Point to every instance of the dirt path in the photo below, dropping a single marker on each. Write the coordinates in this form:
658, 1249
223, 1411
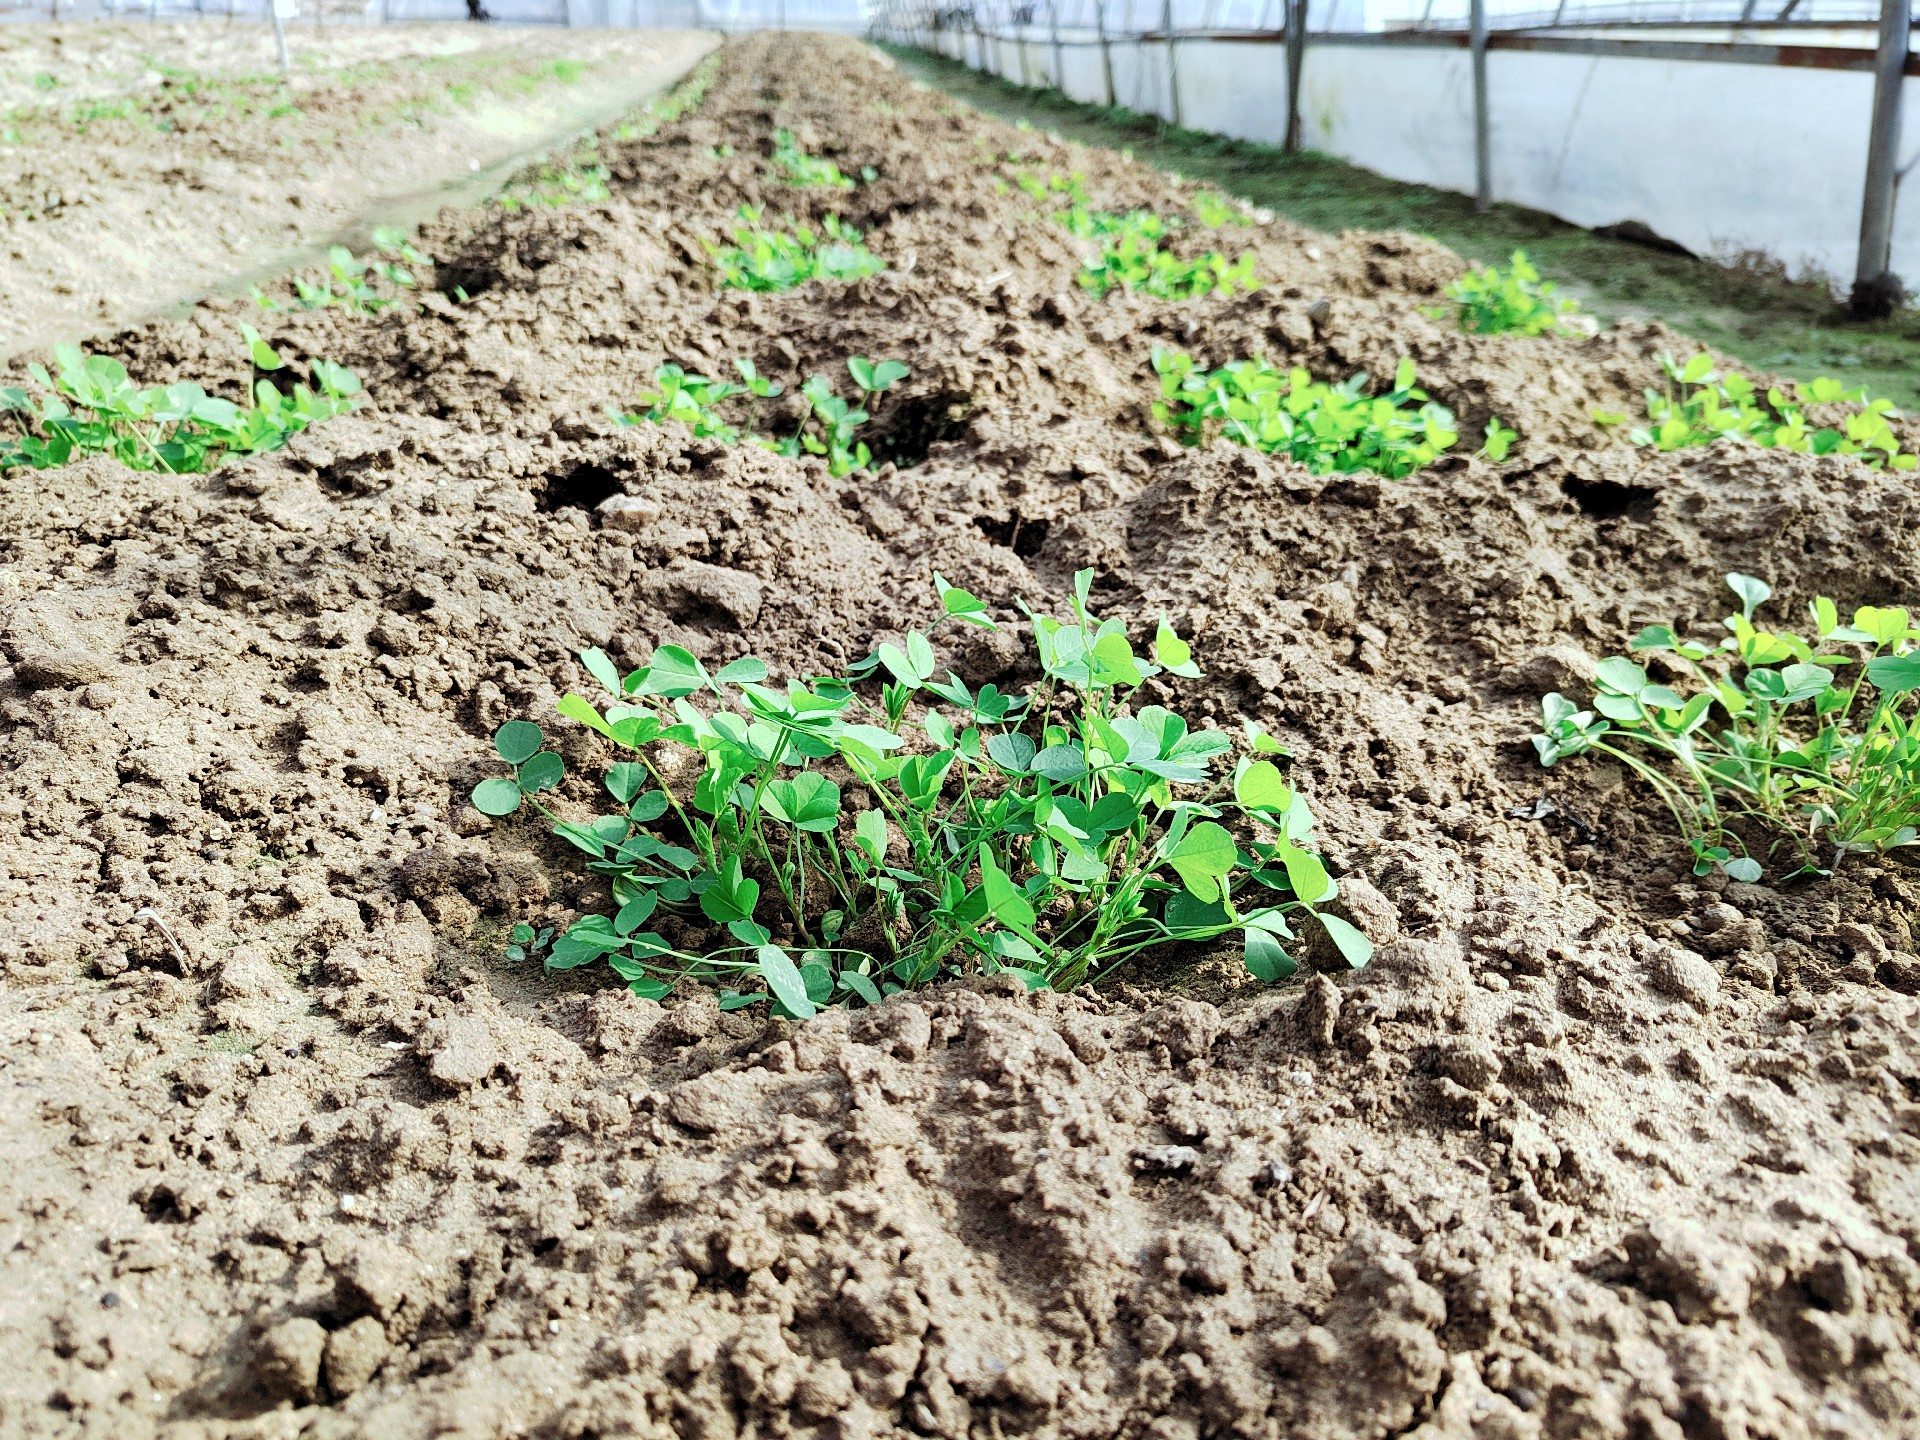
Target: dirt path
146, 165
1592, 1149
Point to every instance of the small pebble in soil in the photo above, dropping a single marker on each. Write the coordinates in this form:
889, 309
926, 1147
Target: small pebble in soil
110, 1299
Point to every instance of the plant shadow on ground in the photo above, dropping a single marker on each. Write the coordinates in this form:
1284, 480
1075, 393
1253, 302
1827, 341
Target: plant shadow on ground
1792, 328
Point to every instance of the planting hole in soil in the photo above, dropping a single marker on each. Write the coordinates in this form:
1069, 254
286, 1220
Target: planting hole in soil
882, 776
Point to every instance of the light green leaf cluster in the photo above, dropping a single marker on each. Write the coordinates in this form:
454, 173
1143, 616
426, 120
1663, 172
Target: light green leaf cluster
1327, 428
765, 258
580, 179
795, 166
848, 836
1132, 254
92, 408
1699, 406
827, 422
1216, 211
1516, 301
1804, 757
348, 283
1132, 260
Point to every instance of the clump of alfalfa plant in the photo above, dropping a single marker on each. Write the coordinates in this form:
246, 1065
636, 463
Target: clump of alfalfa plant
827, 428
1516, 301
1132, 254
1133, 258
578, 179
827, 423
1698, 405
854, 835
694, 400
795, 166
1049, 188
91, 408
348, 283
1216, 211
1766, 733
1327, 428
765, 258
683, 97
395, 253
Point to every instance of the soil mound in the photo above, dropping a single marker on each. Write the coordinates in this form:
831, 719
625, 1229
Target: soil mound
1593, 1149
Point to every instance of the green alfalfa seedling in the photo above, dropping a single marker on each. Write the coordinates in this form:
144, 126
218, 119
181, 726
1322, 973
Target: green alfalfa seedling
1698, 405
829, 846
1217, 211
794, 166
1132, 253
1133, 257
578, 178
827, 422
1765, 733
827, 429
524, 941
684, 97
348, 281
694, 400
766, 258
1327, 428
90, 407
1515, 301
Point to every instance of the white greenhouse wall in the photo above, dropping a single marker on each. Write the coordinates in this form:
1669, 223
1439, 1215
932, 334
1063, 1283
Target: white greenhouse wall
1722, 158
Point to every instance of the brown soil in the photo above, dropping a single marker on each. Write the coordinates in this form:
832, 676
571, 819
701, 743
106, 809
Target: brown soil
1592, 1149
144, 164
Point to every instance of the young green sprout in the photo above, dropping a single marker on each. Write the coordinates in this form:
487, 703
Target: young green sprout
1767, 734
1327, 428
827, 429
1699, 406
348, 281
1517, 302
769, 259
795, 166
827, 422
92, 408
1131, 254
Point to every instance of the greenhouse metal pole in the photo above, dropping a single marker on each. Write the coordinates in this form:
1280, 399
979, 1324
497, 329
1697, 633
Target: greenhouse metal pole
1059, 60
282, 11
1482, 146
1874, 291
1173, 64
1296, 64
1106, 49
